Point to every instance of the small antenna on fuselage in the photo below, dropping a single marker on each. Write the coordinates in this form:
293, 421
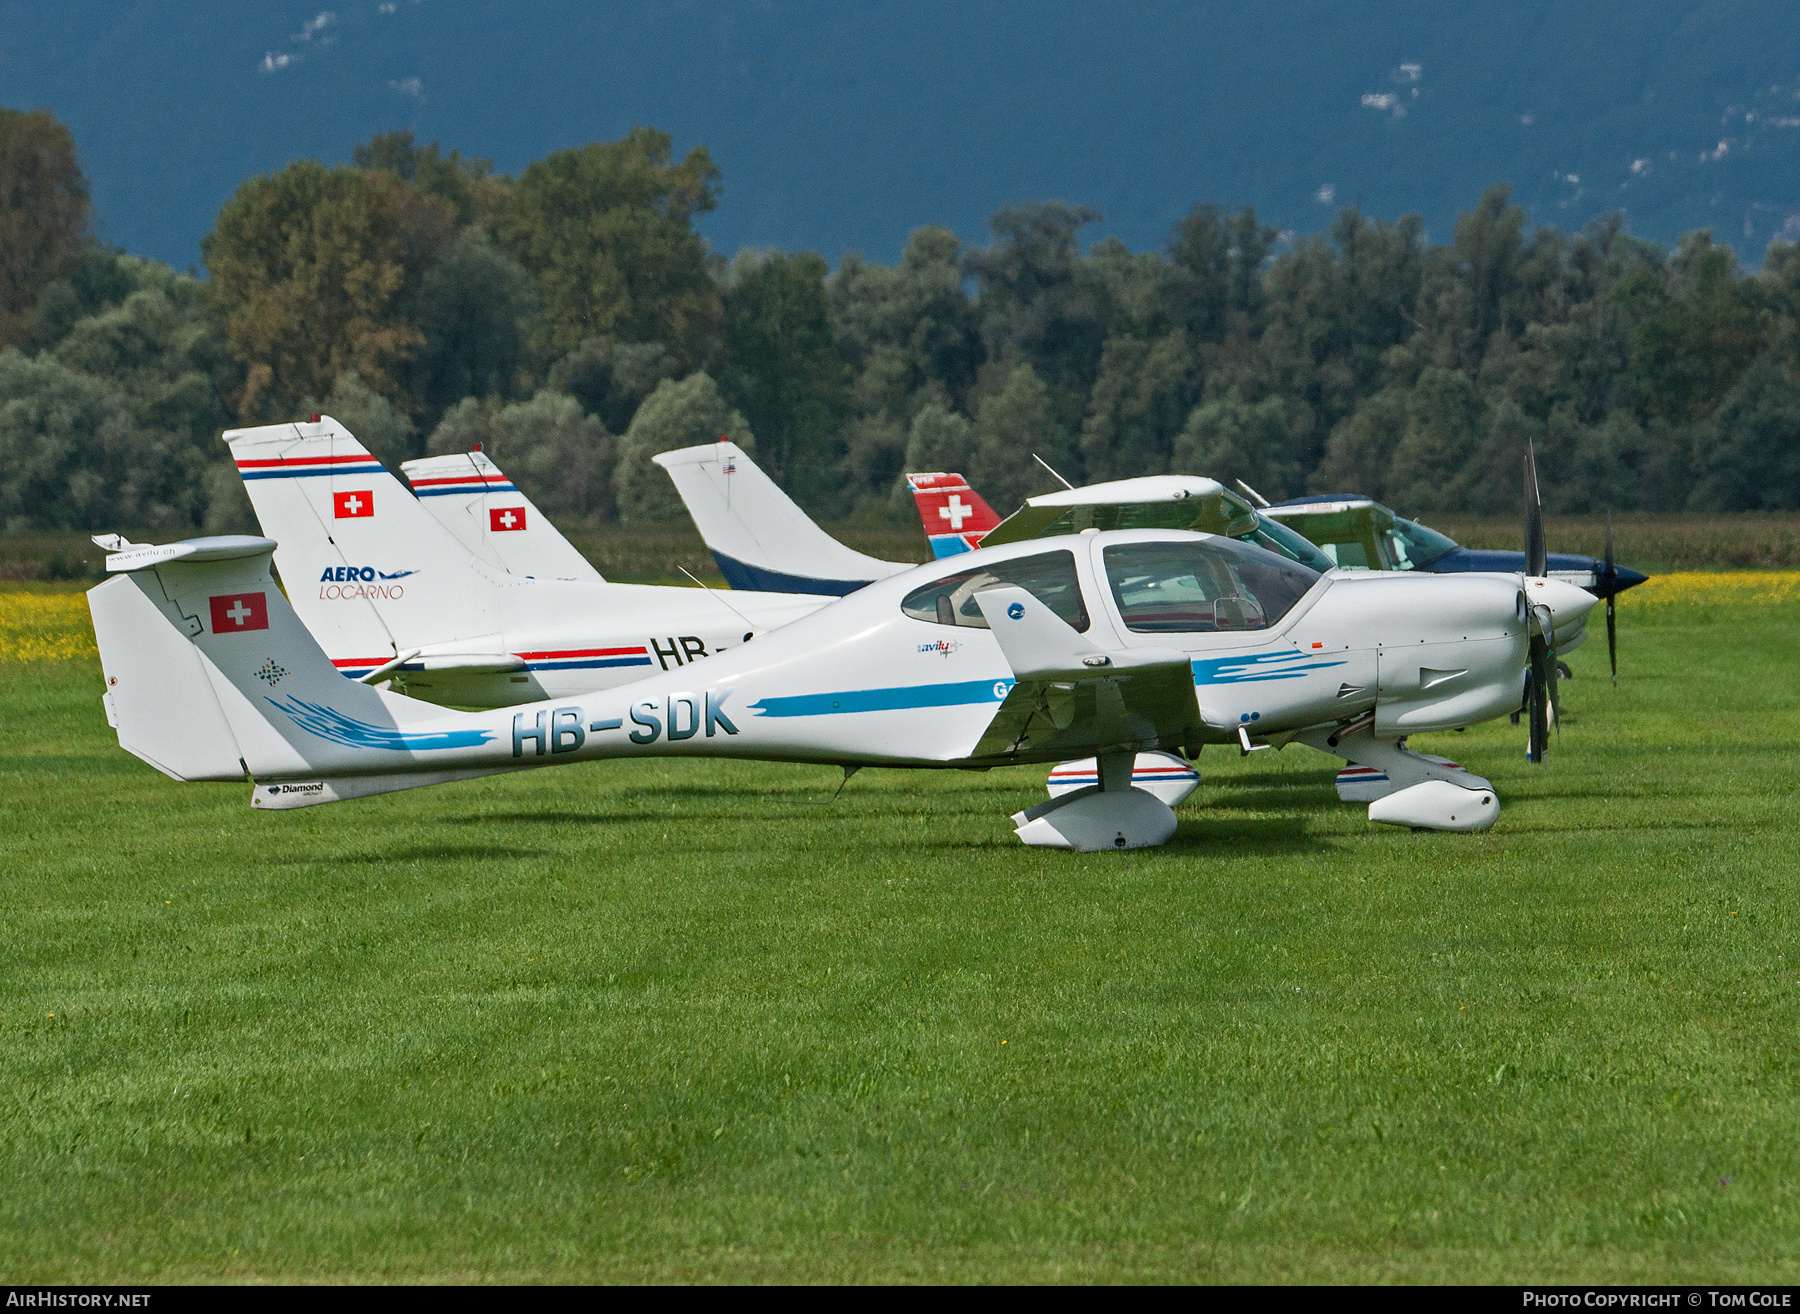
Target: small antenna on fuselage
1059, 479
721, 597
1255, 496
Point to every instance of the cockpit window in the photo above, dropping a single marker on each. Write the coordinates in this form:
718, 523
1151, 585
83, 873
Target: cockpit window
1204, 586
1049, 577
1277, 537
1414, 547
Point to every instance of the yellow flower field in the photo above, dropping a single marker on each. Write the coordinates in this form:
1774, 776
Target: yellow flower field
51, 627
44, 627
1745, 588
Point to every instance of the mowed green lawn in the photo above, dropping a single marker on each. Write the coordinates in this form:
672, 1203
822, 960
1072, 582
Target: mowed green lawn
696, 1021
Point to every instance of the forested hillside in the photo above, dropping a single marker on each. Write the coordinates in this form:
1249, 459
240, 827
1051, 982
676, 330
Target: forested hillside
572, 320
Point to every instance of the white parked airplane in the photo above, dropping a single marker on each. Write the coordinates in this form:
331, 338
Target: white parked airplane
1103, 644
389, 592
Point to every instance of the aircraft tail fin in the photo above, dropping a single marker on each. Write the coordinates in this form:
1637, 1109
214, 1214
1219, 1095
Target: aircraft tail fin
760, 539
956, 517
210, 675
368, 569
487, 513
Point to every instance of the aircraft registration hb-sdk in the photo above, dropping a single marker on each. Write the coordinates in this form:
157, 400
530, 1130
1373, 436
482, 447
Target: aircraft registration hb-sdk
1101, 644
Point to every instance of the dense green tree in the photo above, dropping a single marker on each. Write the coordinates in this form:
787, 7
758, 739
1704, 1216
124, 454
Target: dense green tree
677, 414
384, 430
476, 307
1228, 439
467, 183
1361, 449
909, 333
1698, 330
607, 231
1013, 426
1434, 458
69, 451
783, 373
1215, 282
939, 440
318, 272
43, 212
1747, 456
611, 378
1142, 397
559, 456
1040, 302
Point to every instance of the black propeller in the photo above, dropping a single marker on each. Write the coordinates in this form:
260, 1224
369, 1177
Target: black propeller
1610, 579
1541, 678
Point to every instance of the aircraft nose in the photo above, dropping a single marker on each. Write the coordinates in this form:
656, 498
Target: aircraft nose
1567, 602
1623, 578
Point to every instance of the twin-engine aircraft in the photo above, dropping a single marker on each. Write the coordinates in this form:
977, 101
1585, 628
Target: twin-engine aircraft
1100, 644
481, 605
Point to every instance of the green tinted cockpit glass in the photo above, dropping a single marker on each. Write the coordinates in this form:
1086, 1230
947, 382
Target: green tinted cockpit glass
1415, 546
1355, 538
1277, 537
1203, 585
1049, 577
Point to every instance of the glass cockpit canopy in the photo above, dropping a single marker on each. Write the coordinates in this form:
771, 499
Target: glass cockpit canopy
1155, 502
1357, 533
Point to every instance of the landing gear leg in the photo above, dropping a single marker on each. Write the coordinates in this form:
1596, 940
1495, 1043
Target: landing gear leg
1110, 815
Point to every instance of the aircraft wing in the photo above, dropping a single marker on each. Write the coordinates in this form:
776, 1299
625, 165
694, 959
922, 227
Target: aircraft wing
1072, 699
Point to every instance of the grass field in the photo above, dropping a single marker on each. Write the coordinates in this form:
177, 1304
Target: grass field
696, 1021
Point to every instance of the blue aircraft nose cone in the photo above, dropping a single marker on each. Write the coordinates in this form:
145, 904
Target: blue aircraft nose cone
1623, 578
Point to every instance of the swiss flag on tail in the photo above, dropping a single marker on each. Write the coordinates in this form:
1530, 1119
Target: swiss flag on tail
956, 518
235, 613
348, 506
503, 518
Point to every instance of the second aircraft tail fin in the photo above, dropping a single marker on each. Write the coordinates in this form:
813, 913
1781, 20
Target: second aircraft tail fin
956, 516
367, 568
760, 539
469, 496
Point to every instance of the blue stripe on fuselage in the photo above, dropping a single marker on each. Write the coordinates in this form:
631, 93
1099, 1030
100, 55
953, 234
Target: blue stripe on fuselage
1249, 670
902, 699
472, 488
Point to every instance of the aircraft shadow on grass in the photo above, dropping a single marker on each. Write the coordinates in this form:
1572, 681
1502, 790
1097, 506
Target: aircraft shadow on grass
418, 853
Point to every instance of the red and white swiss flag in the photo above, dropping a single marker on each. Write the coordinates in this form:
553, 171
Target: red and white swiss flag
348, 506
503, 518
236, 612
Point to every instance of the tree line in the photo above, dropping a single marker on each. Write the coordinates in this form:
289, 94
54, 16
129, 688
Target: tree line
573, 321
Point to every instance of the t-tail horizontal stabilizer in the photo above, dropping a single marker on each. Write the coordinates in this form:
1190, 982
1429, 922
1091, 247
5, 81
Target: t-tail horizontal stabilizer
211, 676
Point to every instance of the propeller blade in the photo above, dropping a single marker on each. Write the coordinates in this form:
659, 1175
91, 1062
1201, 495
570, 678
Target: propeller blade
1610, 579
1541, 675
1537, 556
1612, 639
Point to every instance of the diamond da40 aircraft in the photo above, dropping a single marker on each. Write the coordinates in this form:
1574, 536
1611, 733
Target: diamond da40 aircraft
752, 527
1101, 644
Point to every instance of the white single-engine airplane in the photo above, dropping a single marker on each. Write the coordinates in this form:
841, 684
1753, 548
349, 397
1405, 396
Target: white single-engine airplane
1100, 644
494, 611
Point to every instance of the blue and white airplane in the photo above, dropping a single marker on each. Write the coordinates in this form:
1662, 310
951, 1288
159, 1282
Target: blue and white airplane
1102, 644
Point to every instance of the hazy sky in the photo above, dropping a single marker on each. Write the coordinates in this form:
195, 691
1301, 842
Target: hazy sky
843, 126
